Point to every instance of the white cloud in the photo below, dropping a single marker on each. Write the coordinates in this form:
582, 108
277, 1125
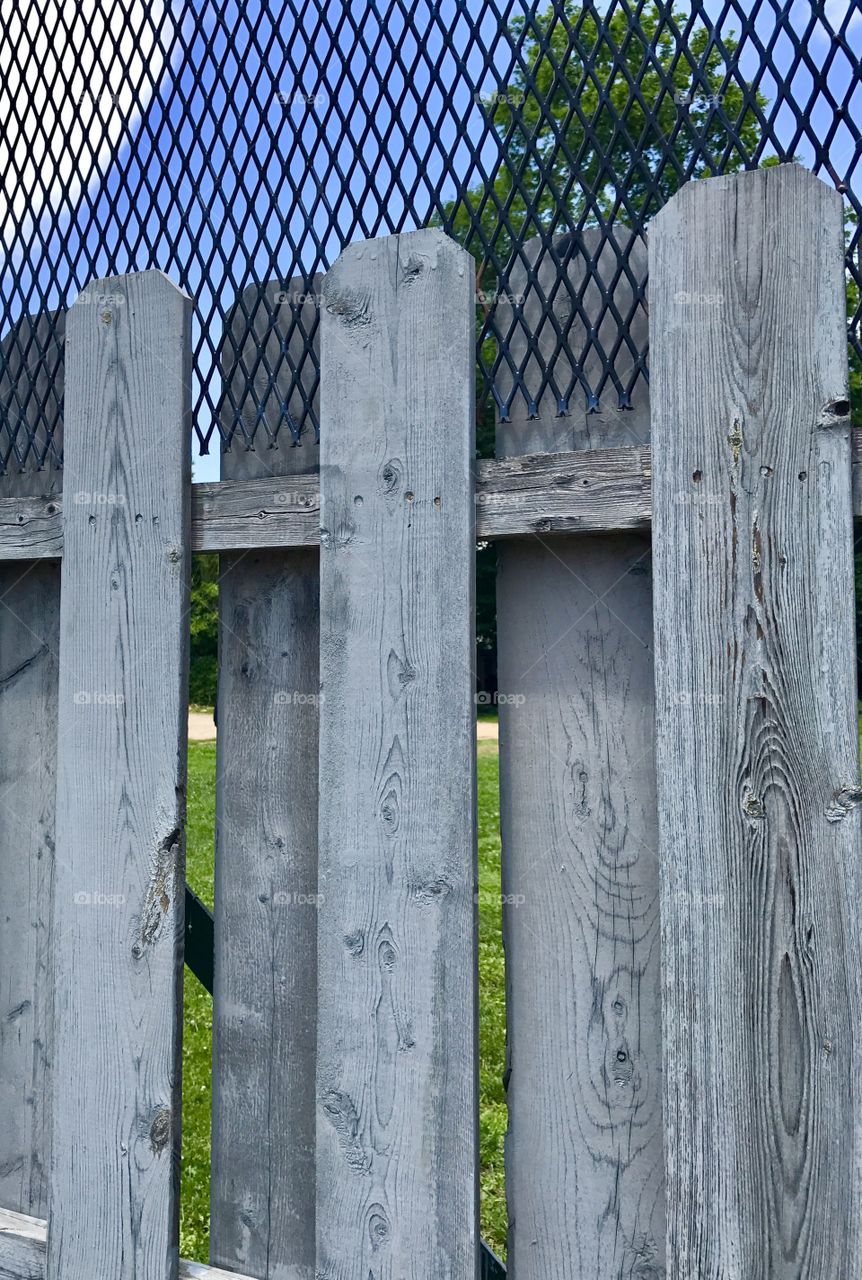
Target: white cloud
74, 76
836, 12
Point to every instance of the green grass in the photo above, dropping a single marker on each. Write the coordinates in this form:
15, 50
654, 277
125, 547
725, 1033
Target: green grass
197, 1029
492, 1004
197, 1049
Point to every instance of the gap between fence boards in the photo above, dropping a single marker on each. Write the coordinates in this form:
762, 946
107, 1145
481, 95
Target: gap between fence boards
597, 491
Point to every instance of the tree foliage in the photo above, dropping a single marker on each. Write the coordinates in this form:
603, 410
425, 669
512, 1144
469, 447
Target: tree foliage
603, 120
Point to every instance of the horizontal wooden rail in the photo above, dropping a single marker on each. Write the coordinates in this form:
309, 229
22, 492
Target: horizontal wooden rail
592, 491
23, 1248
23, 1243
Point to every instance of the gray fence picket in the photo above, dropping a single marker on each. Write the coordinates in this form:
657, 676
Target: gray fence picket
584, 1158
31, 396
29, 629
29, 643
118, 901
758, 759
23, 1249
397, 1142
265, 997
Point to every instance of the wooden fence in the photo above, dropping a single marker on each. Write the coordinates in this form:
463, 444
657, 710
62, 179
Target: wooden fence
680, 820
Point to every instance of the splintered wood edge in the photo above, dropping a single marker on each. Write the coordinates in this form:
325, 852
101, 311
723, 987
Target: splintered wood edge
592, 491
23, 1244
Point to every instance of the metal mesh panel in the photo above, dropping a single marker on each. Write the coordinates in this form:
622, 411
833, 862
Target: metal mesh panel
227, 142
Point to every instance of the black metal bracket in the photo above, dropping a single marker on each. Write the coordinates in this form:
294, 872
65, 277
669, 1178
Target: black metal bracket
200, 940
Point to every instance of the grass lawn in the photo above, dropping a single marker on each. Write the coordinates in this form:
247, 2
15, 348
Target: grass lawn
197, 1051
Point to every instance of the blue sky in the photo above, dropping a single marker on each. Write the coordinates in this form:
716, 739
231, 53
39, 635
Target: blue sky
163, 138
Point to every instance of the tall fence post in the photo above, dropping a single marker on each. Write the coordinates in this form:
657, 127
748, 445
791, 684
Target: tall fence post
758, 759
31, 393
584, 1163
118, 901
397, 1144
265, 996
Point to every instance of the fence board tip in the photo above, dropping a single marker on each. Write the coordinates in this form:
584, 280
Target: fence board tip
414, 251
113, 288
792, 177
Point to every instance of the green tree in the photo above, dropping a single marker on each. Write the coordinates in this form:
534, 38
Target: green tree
601, 121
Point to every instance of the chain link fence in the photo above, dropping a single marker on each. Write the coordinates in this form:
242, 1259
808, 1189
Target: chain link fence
226, 143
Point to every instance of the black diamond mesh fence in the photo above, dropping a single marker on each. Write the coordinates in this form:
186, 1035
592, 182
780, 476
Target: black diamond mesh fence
227, 143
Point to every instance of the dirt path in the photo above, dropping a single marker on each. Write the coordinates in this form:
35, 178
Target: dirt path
202, 729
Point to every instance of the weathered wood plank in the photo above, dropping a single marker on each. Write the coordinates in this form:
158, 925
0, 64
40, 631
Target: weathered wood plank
397, 1095
31, 528
265, 997
550, 412
271, 376
584, 1159
585, 491
757, 730
31, 396
23, 1249
118, 902
580, 885
29, 641
31, 390
257, 514
22, 1246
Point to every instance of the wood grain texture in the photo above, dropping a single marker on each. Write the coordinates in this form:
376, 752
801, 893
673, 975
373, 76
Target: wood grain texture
22, 1246
556, 287
271, 374
119, 870
584, 1160
23, 1250
29, 643
31, 399
758, 755
260, 513
584, 491
265, 997
31, 527
31, 391
397, 1145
